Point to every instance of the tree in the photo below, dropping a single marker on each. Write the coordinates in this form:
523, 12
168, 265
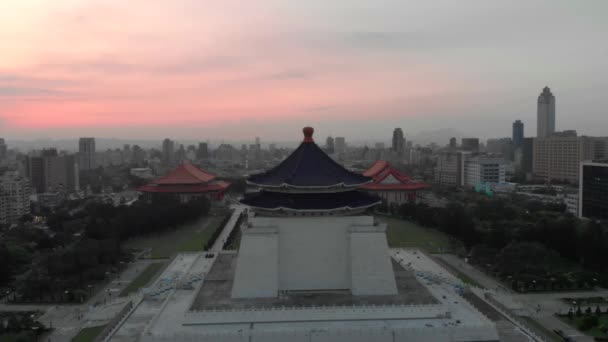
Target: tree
530, 258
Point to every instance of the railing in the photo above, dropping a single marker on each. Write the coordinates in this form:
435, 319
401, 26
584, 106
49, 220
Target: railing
428, 333
320, 307
514, 319
114, 323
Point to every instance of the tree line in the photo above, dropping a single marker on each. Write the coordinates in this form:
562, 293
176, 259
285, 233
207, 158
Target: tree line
531, 244
84, 247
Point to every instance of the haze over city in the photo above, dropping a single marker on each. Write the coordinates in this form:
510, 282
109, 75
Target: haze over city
234, 70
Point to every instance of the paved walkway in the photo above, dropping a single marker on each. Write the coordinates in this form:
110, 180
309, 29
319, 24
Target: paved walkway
480, 277
539, 306
228, 228
68, 319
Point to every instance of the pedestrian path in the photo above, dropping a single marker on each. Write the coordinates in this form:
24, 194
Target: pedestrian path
218, 245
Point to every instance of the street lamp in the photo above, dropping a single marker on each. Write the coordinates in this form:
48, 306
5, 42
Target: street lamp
35, 329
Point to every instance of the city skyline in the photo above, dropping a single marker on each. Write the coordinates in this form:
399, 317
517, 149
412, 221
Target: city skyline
191, 69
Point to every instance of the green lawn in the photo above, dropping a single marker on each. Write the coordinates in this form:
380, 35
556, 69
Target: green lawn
595, 331
468, 280
142, 279
402, 233
88, 334
187, 238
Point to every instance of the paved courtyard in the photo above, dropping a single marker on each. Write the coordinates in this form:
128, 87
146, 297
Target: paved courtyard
215, 292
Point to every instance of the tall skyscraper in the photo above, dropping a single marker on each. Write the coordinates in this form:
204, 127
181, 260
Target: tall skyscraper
181, 154
453, 144
86, 154
518, 133
14, 197
3, 149
545, 114
138, 156
527, 156
168, 156
340, 144
398, 145
593, 190
202, 152
329, 145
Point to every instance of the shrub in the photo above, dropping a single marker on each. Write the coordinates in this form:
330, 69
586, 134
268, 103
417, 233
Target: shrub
587, 323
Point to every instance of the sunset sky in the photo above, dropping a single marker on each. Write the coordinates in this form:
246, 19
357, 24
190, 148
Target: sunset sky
233, 69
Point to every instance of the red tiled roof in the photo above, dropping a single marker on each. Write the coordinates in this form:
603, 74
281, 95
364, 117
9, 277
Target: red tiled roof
187, 178
398, 186
187, 173
185, 188
381, 169
376, 168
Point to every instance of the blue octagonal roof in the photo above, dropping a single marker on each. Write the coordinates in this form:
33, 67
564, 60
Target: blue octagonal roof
308, 167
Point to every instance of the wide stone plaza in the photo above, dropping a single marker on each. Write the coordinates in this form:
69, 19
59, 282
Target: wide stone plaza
182, 306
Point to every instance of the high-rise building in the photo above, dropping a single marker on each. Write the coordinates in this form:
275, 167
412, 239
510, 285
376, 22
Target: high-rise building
450, 168
453, 144
14, 197
558, 156
138, 155
86, 154
500, 146
527, 155
3, 149
202, 152
593, 190
398, 145
50, 172
518, 133
339, 144
61, 174
470, 144
329, 145
168, 154
181, 154
483, 170
545, 114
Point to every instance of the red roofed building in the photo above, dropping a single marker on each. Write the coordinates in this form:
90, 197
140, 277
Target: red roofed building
391, 185
187, 182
